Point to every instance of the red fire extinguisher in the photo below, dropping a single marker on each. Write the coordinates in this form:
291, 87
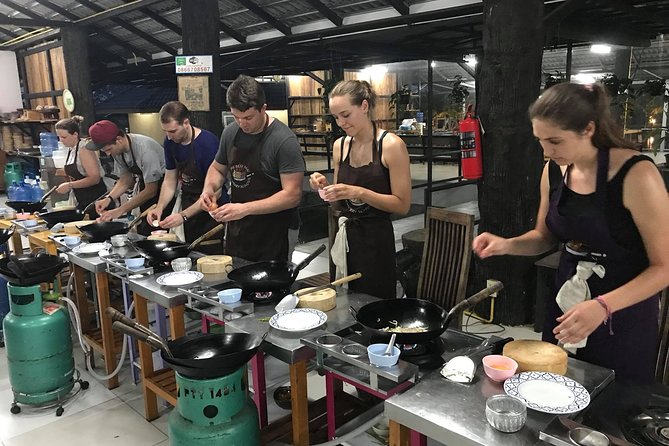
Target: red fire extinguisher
470, 147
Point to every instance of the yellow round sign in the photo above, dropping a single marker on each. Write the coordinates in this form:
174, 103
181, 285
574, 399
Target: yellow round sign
68, 100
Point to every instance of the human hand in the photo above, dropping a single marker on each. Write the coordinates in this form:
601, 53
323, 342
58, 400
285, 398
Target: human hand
172, 221
207, 202
579, 322
487, 245
154, 216
102, 204
64, 188
230, 212
110, 215
341, 191
317, 181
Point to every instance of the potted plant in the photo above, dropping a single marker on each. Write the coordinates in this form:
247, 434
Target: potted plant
399, 101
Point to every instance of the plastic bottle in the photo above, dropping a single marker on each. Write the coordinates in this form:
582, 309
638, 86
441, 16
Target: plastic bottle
48, 143
11, 191
37, 190
23, 193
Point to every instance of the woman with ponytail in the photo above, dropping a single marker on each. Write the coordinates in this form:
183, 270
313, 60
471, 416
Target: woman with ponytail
606, 203
371, 181
82, 167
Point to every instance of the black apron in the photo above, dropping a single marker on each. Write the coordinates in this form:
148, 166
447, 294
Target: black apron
632, 349
85, 195
255, 237
143, 227
192, 183
371, 239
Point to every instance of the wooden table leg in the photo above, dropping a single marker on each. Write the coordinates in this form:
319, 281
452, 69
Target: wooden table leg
102, 288
146, 360
177, 325
299, 403
17, 244
399, 435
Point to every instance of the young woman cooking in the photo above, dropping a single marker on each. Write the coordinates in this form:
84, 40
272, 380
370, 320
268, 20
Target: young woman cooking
81, 166
371, 181
605, 202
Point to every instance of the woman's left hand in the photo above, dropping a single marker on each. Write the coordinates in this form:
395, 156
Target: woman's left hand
64, 188
579, 322
343, 191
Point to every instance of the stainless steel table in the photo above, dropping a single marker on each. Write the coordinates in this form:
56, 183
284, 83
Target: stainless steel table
454, 413
289, 349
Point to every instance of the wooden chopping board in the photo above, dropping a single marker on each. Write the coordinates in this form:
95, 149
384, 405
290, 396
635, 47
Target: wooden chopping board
532, 355
323, 300
71, 227
214, 264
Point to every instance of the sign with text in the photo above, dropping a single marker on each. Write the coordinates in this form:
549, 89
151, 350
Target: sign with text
193, 64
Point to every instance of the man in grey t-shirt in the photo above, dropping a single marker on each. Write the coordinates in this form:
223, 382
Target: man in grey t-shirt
139, 161
264, 161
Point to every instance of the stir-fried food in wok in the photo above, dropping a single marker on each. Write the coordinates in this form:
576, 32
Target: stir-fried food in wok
414, 327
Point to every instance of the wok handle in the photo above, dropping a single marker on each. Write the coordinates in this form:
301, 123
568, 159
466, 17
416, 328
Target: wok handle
137, 334
117, 316
142, 215
308, 259
478, 297
353, 312
205, 236
48, 194
337, 282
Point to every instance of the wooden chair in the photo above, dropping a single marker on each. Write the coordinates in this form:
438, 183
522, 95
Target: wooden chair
446, 257
662, 364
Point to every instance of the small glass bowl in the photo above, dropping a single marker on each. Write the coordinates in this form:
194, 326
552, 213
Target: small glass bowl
181, 264
505, 413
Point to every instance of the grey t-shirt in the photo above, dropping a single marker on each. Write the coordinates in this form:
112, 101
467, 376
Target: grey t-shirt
149, 155
280, 150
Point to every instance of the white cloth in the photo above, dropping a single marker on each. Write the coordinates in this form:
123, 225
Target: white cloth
339, 249
576, 290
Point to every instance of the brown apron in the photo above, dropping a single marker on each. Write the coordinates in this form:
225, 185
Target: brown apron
255, 237
192, 183
85, 195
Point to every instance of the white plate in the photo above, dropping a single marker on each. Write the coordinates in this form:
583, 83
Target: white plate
299, 319
180, 278
548, 392
90, 248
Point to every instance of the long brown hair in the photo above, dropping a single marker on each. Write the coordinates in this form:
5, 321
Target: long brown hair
358, 91
70, 125
573, 106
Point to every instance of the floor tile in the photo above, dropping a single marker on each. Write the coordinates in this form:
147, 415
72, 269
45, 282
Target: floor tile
110, 423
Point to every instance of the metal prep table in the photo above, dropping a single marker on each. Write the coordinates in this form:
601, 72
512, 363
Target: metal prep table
454, 413
291, 351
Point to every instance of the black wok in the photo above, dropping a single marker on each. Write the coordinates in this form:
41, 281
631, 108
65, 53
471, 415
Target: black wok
31, 206
99, 232
166, 251
200, 355
6, 234
64, 216
376, 316
29, 270
270, 275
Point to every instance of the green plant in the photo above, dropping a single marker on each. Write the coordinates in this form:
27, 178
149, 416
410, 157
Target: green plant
399, 100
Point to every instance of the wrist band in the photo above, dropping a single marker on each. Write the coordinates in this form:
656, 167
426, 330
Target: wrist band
600, 300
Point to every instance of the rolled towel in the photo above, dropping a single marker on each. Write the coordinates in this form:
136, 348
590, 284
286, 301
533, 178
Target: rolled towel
340, 249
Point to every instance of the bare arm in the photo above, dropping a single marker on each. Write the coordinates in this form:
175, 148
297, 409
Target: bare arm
533, 242
167, 191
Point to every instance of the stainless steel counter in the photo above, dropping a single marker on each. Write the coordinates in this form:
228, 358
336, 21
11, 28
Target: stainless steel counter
167, 297
287, 347
454, 413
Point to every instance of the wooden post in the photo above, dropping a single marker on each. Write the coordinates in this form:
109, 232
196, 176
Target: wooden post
77, 70
201, 28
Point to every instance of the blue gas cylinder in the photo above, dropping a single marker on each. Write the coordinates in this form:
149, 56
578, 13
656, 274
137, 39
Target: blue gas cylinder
4, 306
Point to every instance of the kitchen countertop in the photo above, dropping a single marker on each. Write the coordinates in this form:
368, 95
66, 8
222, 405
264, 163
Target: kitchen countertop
287, 347
454, 413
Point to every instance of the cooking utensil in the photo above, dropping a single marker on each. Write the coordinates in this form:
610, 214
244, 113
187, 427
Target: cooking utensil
391, 344
6, 234
65, 216
99, 232
416, 313
31, 206
117, 316
270, 275
155, 249
571, 425
334, 283
462, 368
201, 355
45, 268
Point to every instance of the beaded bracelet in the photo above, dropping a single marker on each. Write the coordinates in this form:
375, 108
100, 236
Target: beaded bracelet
600, 300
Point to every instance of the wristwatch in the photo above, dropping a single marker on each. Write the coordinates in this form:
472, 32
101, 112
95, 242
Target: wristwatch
183, 215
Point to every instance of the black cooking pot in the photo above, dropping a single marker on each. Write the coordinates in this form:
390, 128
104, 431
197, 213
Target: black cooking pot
408, 313
270, 275
166, 250
6, 234
26, 206
29, 270
64, 216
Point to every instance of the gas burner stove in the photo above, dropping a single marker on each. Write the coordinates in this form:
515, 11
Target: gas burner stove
265, 297
650, 427
427, 356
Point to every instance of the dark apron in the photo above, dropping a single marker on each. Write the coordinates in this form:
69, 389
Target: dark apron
143, 227
371, 239
192, 183
255, 237
86, 195
632, 349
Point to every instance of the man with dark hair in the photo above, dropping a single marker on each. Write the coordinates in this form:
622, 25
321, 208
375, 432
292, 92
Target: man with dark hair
139, 164
264, 161
189, 151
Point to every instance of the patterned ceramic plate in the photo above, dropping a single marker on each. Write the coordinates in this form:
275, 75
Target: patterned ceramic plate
548, 392
90, 248
180, 278
299, 319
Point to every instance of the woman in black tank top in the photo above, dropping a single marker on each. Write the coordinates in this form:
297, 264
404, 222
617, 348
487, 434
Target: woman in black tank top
603, 200
371, 181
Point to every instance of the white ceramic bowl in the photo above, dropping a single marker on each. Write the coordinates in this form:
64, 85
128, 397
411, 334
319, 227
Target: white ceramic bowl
230, 295
181, 264
135, 262
377, 358
71, 240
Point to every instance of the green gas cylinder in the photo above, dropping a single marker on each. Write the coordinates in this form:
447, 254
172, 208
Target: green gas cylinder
39, 347
214, 411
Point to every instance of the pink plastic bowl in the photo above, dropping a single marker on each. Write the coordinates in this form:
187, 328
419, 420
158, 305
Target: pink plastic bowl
498, 367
